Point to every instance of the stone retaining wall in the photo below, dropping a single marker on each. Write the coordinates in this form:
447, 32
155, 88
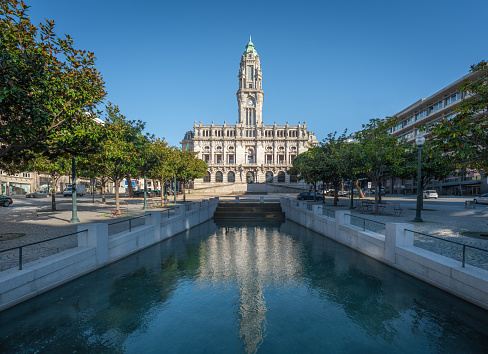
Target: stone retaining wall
395, 249
96, 249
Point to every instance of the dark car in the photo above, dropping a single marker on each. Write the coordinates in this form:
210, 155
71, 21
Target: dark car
5, 201
309, 196
38, 194
150, 193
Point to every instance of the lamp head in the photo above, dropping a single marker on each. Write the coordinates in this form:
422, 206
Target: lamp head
419, 141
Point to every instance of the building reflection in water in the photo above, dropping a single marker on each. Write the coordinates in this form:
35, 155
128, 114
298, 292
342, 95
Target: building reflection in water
251, 259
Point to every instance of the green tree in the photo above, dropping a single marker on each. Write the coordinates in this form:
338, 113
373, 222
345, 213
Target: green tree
464, 137
191, 167
46, 85
161, 170
118, 153
55, 168
380, 153
433, 164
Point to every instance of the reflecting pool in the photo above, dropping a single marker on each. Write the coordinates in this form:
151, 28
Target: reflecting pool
245, 287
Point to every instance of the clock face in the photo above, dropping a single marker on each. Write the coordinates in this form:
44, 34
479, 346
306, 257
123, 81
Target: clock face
249, 102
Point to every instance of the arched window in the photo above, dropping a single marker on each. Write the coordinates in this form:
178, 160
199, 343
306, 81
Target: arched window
219, 177
231, 177
250, 156
250, 177
206, 179
281, 177
269, 177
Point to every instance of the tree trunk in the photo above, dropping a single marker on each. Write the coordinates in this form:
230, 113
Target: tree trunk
379, 195
376, 197
162, 192
53, 193
184, 191
129, 184
336, 193
314, 190
117, 200
360, 192
103, 192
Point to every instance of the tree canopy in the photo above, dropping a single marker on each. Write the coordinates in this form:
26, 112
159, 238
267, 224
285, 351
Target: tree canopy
46, 86
463, 137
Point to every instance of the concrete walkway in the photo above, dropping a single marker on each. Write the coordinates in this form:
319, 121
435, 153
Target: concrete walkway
30, 220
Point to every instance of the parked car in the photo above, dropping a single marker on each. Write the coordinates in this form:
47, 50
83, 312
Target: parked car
80, 190
383, 192
430, 194
482, 199
5, 201
309, 196
150, 193
38, 194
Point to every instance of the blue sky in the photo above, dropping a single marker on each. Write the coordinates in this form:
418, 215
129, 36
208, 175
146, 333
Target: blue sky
333, 64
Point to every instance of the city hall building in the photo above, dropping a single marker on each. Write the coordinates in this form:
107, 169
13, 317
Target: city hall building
249, 155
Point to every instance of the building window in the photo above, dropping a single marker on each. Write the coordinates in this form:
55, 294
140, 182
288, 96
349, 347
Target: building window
250, 156
206, 179
281, 177
269, 177
219, 177
250, 177
26, 174
453, 98
231, 159
421, 114
219, 159
206, 158
269, 159
231, 177
281, 159
250, 72
250, 85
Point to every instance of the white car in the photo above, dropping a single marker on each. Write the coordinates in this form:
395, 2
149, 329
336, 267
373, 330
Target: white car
430, 194
482, 199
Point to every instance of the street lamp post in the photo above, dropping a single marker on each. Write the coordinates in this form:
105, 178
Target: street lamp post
352, 194
174, 189
145, 193
419, 141
74, 208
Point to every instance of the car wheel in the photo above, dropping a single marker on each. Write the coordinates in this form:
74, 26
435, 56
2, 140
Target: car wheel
475, 201
6, 204
301, 198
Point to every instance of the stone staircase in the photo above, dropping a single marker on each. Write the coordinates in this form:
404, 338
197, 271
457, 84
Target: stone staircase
249, 211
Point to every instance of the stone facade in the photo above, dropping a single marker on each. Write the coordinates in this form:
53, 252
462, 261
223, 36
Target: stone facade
248, 152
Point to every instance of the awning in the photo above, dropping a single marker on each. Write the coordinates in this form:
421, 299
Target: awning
457, 184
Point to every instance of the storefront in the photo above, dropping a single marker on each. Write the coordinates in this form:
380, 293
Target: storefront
19, 188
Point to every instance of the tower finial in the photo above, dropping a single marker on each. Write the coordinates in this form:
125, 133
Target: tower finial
250, 38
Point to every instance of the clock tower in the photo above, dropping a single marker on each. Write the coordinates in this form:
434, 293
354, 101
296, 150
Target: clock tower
250, 94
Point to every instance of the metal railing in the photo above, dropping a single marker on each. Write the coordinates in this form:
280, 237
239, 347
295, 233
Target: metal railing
459, 254
368, 224
309, 207
36, 243
168, 212
327, 212
129, 221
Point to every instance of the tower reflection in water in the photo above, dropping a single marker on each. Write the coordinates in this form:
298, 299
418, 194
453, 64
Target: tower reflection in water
251, 258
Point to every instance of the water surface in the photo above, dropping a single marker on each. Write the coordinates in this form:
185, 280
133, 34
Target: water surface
245, 287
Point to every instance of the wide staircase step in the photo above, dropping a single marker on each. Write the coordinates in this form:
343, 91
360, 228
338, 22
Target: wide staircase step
245, 210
